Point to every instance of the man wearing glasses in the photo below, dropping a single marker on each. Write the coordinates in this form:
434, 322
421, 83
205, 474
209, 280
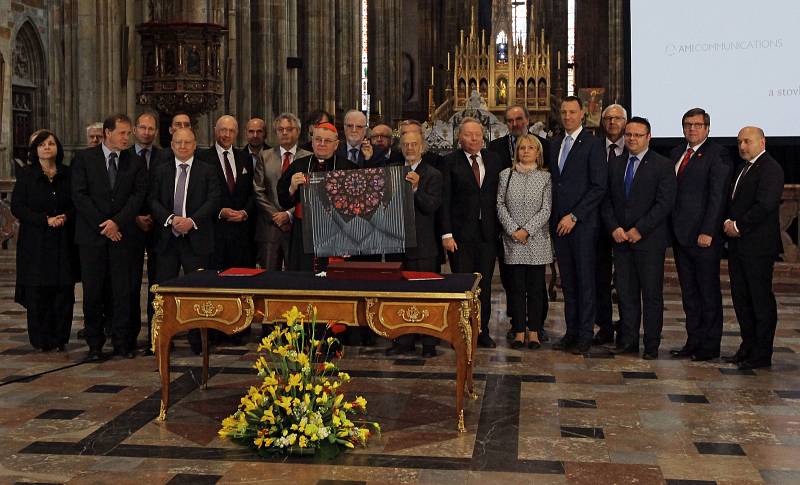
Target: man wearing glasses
324, 141
703, 172
274, 223
356, 147
381, 140
614, 118
641, 193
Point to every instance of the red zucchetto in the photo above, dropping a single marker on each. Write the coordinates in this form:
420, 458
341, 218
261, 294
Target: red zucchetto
327, 126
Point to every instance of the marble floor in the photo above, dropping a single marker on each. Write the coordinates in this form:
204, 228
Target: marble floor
541, 417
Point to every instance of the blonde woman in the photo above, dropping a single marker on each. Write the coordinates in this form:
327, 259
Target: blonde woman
523, 207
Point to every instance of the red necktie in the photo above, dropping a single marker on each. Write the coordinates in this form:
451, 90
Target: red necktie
476, 170
228, 173
287, 160
685, 162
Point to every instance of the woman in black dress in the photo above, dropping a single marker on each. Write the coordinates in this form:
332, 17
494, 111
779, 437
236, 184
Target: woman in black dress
46, 256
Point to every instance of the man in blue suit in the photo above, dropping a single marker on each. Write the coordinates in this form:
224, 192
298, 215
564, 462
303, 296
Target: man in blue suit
579, 171
703, 170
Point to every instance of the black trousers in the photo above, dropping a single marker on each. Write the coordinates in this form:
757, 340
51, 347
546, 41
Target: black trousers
425, 264
603, 275
527, 285
639, 278
754, 303
138, 250
105, 272
575, 253
176, 257
49, 315
698, 273
478, 257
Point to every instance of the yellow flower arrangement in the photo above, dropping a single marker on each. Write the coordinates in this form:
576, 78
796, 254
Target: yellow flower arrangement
299, 406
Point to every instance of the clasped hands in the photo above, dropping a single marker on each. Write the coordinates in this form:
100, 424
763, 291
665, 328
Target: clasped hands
232, 215
632, 235
57, 221
730, 229
182, 225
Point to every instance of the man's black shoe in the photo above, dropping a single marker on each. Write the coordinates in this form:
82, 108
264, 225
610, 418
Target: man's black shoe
653, 355
582, 348
618, 350
428, 351
565, 344
603, 336
94, 356
679, 353
81, 334
147, 352
511, 335
485, 341
735, 358
399, 350
704, 356
754, 364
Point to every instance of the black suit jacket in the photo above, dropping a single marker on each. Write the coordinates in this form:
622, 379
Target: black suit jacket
700, 200
649, 204
376, 160
427, 200
502, 147
469, 212
202, 205
754, 208
96, 201
242, 197
582, 185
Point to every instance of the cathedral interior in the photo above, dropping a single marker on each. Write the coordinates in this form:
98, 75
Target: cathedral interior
539, 416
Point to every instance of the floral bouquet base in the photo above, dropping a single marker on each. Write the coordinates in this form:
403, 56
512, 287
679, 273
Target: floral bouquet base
299, 407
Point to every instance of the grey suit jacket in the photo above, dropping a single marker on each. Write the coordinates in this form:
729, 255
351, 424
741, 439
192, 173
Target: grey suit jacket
266, 174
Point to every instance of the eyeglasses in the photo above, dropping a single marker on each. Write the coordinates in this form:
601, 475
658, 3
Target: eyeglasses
351, 126
385, 137
323, 141
635, 136
689, 126
286, 130
613, 118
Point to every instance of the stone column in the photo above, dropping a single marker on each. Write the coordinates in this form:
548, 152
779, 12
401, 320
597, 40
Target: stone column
616, 50
316, 36
347, 66
384, 58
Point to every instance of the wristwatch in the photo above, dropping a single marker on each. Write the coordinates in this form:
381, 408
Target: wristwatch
572, 216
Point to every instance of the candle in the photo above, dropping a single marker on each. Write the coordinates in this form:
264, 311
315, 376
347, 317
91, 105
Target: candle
558, 55
379, 108
448, 60
432, 81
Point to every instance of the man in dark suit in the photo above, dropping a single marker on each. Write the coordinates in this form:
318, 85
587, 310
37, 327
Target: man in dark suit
255, 133
185, 200
426, 182
179, 120
381, 139
641, 193
233, 234
613, 118
145, 130
703, 171
753, 229
356, 146
579, 171
274, 224
517, 120
469, 225
108, 187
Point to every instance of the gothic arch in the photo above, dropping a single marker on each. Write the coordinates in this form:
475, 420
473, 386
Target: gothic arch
28, 86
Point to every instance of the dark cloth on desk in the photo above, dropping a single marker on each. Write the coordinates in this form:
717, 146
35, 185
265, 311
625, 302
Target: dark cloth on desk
47, 263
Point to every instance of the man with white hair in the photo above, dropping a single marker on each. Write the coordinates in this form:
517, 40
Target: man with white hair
356, 146
94, 134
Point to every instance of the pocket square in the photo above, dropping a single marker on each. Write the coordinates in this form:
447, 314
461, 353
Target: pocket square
244, 171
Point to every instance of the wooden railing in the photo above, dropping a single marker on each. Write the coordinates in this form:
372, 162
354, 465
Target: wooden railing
789, 211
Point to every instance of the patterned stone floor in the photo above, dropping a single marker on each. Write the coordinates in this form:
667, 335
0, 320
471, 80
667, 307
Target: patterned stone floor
541, 417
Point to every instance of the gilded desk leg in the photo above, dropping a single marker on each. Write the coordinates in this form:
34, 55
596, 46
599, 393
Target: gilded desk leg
204, 336
475, 322
162, 352
464, 356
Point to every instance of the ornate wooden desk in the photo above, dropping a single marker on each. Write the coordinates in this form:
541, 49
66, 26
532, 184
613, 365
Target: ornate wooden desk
448, 309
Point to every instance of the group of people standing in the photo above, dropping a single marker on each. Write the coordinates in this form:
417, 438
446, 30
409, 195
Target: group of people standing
527, 200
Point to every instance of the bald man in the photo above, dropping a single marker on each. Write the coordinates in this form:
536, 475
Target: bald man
255, 132
753, 231
233, 231
382, 139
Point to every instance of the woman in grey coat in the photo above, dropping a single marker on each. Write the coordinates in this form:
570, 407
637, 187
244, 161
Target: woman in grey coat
523, 207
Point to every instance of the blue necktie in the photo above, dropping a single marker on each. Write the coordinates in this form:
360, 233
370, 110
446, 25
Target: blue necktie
629, 172
564, 153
